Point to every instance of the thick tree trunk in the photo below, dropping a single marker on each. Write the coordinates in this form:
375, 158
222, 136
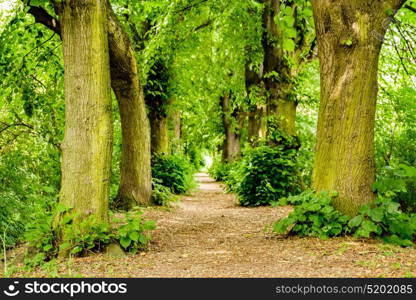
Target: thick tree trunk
257, 125
278, 106
349, 40
86, 149
160, 134
231, 146
283, 111
176, 123
135, 185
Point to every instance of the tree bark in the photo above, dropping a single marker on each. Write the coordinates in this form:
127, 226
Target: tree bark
135, 183
176, 121
257, 126
279, 105
350, 36
86, 149
160, 134
282, 109
231, 149
177, 125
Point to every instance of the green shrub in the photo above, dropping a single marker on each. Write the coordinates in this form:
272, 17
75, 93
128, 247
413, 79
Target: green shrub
266, 174
219, 170
41, 237
384, 219
195, 156
399, 184
88, 236
161, 195
132, 235
173, 171
27, 185
313, 215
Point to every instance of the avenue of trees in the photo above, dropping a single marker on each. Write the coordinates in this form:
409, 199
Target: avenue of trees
99, 98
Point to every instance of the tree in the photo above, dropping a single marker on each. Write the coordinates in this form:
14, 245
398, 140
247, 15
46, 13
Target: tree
350, 34
233, 119
86, 149
157, 101
288, 44
135, 183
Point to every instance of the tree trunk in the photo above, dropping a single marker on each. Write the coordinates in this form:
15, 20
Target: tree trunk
257, 126
231, 146
350, 37
177, 125
135, 183
86, 149
177, 131
279, 105
160, 133
283, 111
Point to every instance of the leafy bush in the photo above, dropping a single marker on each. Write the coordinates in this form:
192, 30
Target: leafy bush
26, 185
40, 236
195, 156
219, 170
87, 236
313, 216
161, 195
399, 184
132, 234
385, 220
173, 171
266, 174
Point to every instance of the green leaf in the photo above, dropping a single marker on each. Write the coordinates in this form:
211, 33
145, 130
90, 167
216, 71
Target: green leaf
76, 250
125, 242
289, 45
134, 236
356, 221
149, 225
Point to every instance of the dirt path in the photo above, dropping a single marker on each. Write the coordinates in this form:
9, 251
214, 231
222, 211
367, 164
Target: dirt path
208, 235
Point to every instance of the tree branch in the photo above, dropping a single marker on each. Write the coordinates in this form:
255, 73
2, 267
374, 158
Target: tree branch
43, 17
411, 8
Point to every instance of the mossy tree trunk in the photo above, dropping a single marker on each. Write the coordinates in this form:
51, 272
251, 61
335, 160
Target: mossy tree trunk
160, 134
135, 182
256, 124
280, 72
135, 185
176, 125
159, 102
86, 149
350, 36
279, 107
232, 122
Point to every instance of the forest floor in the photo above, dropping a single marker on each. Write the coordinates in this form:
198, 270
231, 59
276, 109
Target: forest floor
206, 234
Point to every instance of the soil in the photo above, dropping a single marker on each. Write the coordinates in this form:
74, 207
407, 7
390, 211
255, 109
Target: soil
206, 234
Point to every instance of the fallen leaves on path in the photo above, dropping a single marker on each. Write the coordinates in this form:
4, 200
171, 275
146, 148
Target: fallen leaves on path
209, 235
